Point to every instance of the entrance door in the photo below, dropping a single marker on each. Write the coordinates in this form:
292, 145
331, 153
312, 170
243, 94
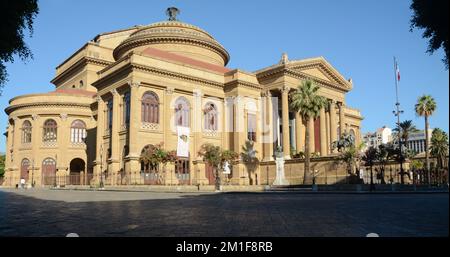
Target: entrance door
24, 169
77, 166
182, 171
48, 171
209, 173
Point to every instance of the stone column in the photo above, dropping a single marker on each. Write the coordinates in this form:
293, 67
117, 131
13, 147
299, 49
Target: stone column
285, 117
323, 133
341, 119
327, 121
333, 128
268, 127
16, 146
100, 154
63, 139
168, 122
114, 137
312, 146
133, 130
9, 146
298, 132
36, 139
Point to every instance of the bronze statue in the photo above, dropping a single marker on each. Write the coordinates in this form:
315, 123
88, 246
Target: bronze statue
172, 12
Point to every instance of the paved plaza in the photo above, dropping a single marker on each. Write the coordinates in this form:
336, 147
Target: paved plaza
40, 212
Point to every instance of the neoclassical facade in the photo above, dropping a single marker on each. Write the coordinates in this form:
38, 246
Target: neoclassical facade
129, 89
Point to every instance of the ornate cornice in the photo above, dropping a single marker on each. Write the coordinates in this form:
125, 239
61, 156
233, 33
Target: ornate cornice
79, 64
285, 71
170, 74
12, 108
236, 83
137, 41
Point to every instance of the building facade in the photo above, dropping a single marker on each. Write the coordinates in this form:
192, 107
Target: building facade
416, 141
381, 136
129, 89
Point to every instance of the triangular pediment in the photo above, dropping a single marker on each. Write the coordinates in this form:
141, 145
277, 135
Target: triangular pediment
319, 68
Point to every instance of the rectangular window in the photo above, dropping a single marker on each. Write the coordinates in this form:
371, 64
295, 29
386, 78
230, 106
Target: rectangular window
251, 127
110, 114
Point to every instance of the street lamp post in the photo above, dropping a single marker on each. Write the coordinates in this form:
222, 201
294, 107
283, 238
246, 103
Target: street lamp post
397, 113
32, 172
56, 162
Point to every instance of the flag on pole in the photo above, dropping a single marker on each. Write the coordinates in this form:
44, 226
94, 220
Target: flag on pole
397, 71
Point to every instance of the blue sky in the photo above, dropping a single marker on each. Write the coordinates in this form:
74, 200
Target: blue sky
359, 38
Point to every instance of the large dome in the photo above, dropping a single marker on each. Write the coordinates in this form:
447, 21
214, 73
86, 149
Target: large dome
178, 38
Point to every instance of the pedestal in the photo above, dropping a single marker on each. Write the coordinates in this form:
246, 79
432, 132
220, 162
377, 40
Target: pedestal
280, 179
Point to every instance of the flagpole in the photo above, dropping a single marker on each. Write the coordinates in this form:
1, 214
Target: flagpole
397, 113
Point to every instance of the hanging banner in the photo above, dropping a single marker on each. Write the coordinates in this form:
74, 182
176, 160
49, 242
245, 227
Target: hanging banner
183, 141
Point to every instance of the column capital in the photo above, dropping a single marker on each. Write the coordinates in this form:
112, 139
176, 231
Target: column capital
114, 92
63, 116
197, 93
134, 84
98, 99
285, 89
35, 116
340, 104
266, 93
169, 90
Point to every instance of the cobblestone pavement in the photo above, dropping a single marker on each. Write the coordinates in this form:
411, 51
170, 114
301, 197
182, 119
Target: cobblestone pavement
57, 213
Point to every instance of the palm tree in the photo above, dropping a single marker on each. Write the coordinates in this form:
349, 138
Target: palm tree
369, 158
404, 130
307, 102
425, 107
439, 148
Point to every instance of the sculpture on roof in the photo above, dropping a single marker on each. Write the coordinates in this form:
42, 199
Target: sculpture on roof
284, 58
172, 12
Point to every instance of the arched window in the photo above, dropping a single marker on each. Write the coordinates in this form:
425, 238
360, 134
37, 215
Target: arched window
126, 109
77, 131
150, 108
50, 131
353, 134
182, 112
211, 119
26, 132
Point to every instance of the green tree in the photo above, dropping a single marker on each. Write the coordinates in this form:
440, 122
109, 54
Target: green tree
432, 16
425, 107
216, 157
307, 102
2, 165
439, 146
154, 155
404, 130
17, 16
350, 153
369, 158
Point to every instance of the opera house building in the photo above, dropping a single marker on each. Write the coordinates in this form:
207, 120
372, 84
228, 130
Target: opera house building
168, 84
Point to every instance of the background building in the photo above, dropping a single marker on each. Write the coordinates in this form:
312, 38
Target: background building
416, 141
381, 136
